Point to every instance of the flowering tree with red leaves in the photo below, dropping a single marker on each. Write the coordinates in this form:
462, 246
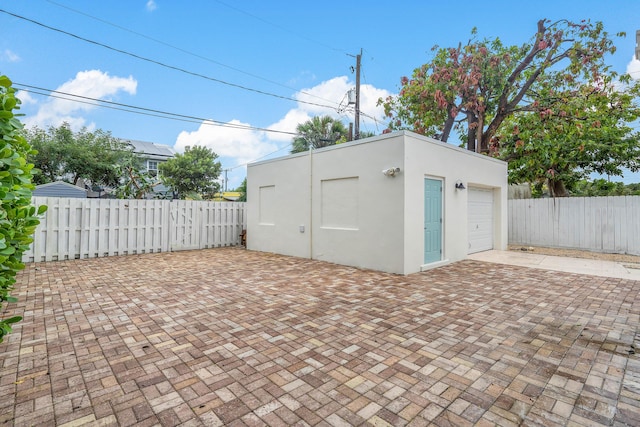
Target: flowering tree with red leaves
484, 88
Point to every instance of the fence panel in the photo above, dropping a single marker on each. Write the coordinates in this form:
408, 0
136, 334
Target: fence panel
185, 225
600, 224
90, 228
222, 223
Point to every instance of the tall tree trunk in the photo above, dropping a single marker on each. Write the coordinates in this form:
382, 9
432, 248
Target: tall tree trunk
479, 143
448, 125
471, 133
557, 188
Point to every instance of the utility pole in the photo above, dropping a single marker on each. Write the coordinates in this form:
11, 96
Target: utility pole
357, 124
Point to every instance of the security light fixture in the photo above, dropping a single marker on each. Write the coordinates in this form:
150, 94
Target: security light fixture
460, 185
391, 172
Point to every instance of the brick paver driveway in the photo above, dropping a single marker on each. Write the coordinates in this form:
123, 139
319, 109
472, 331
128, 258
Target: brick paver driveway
231, 337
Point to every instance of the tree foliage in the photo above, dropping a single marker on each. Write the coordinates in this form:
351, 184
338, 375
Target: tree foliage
193, 172
135, 182
587, 131
18, 218
317, 133
485, 91
243, 191
603, 187
63, 154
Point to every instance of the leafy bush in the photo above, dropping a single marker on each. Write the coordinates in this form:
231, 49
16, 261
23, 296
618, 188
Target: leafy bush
603, 187
18, 218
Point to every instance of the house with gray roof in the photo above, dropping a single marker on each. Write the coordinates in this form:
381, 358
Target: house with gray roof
60, 189
153, 154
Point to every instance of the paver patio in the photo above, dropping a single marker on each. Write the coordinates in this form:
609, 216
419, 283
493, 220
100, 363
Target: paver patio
233, 337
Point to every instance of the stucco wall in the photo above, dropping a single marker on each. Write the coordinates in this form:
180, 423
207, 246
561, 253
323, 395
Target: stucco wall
351, 213
357, 212
375, 240
277, 229
426, 157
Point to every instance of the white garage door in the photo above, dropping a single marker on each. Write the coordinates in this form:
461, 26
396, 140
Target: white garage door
480, 216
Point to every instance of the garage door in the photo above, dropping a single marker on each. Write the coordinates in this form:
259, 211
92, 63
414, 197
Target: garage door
480, 216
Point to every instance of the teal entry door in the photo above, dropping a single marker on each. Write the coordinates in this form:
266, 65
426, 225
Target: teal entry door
432, 220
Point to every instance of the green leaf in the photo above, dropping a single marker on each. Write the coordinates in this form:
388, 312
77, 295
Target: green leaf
13, 319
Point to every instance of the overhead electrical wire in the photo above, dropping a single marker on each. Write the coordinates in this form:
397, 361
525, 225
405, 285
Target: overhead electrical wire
337, 109
138, 110
364, 77
281, 28
184, 50
143, 110
153, 113
164, 114
162, 64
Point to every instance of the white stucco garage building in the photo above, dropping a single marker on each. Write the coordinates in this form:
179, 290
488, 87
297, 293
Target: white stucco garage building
336, 204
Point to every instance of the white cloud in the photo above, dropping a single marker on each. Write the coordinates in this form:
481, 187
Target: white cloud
25, 97
9, 56
241, 145
334, 93
238, 147
93, 84
234, 146
151, 5
288, 124
633, 68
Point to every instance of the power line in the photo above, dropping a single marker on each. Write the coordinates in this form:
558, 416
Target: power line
162, 64
183, 50
174, 67
139, 110
160, 114
280, 28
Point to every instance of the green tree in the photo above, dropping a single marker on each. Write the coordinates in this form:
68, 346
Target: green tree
135, 182
18, 218
194, 171
474, 88
366, 134
67, 155
603, 187
588, 130
243, 191
317, 133
484, 89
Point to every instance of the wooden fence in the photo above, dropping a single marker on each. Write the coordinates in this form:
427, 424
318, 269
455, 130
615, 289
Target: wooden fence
89, 228
599, 224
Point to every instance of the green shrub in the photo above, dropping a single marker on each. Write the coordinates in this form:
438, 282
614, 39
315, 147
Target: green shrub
18, 218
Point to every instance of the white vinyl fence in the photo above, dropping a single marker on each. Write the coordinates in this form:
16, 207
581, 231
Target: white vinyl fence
599, 224
89, 228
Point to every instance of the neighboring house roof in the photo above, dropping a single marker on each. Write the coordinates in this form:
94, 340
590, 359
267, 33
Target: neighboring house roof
59, 189
151, 150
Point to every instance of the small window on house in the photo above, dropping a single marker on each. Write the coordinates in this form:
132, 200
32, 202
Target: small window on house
152, 167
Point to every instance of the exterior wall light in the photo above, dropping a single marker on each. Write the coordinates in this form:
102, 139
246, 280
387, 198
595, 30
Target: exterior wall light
391, 172
460, 185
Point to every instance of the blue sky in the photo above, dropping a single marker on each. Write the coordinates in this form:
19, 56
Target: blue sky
256, 66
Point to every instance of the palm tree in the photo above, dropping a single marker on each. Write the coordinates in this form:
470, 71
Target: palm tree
317, 133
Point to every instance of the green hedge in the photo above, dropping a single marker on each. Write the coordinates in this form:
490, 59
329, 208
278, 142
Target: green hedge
18, 218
